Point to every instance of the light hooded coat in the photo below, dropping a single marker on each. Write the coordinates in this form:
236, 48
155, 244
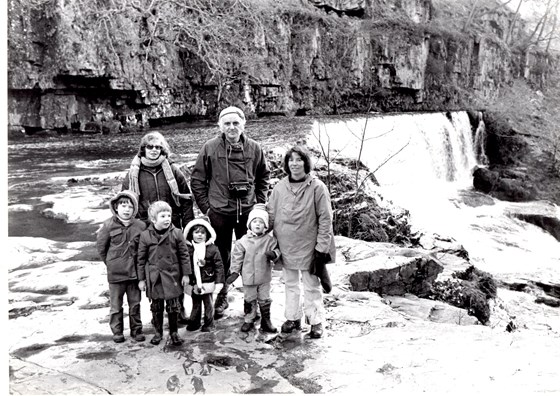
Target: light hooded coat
248, 258
302, 221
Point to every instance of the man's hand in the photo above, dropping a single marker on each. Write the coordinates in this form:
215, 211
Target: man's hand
142, 285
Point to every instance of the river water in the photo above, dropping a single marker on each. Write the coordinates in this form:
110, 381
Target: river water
58, 186
423, 162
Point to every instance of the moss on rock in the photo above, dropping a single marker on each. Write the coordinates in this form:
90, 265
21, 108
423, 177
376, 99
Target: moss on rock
470, 289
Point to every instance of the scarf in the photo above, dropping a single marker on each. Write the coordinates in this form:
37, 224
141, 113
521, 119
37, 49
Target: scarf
198, 256
126, 223
167, 171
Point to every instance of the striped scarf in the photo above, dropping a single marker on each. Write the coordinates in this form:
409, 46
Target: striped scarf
167, 171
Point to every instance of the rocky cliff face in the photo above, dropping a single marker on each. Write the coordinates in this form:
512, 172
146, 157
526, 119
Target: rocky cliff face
89, 71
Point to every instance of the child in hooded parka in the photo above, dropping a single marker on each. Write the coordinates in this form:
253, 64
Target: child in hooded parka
207, 268
117, 242
253, 256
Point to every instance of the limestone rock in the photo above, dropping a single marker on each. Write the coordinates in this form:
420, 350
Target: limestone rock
505, 188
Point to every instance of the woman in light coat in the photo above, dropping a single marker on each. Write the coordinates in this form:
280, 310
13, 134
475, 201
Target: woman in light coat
301, 217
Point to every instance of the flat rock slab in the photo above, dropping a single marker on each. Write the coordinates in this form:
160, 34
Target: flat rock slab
61, 341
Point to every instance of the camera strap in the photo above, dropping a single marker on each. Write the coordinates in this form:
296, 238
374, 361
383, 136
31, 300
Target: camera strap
238, 209
227, 162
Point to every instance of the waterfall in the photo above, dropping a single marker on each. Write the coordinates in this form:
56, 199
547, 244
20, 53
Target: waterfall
480, 141
421, 160
425, 163
418, 150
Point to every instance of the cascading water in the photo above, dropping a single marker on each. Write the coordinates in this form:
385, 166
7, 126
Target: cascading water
480, 141
423, 149
423, 162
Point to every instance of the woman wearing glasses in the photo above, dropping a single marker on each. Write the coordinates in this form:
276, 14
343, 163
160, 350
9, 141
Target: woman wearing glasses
155, 178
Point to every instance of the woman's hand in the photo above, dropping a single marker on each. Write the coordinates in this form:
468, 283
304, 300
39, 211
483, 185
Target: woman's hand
142, 285
322, 258
230, 279
270, 255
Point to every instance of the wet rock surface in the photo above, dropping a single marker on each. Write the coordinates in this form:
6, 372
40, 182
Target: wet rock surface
59, 309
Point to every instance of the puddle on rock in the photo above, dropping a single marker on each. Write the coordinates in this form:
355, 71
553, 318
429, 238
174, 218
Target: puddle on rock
71, 339
101, 355
30, 350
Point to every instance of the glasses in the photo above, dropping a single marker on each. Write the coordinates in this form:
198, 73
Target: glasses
152, 147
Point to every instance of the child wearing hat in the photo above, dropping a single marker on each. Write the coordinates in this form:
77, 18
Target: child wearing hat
207, 272
163, 269
117, 241
253, 257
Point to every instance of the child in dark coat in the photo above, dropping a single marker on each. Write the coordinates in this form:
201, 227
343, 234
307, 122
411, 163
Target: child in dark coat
253, 257
117, 241
163, 269
207, 272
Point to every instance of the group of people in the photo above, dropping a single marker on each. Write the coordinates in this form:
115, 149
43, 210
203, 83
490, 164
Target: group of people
153, 243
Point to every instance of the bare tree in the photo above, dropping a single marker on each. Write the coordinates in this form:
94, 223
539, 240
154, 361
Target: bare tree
360, 179
513, 21
228, 37
475, 11
553, 29
544, 31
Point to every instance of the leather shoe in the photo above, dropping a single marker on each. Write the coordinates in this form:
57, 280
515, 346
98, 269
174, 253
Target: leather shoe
139, 337
118, 338
291, 325
316, 331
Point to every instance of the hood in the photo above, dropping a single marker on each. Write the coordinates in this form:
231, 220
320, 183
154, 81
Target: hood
203, 221
125, 193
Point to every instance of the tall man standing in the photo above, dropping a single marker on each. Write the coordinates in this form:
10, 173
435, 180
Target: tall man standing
230, 175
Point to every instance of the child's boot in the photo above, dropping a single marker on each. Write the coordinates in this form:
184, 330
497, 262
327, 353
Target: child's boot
157, 322
196, 315
266, 324
173, 318
250, 309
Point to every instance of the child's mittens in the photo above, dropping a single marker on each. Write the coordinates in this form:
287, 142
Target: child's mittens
270, 255
230, 279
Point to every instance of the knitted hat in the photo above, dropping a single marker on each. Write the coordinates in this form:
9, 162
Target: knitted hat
259, 211
128, 194
202, 221
232, 110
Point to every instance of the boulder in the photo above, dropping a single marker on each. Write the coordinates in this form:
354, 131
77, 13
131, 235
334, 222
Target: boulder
414, 275
498, 185
548, 223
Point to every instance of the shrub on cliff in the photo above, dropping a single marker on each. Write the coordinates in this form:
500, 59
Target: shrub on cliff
470, 289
